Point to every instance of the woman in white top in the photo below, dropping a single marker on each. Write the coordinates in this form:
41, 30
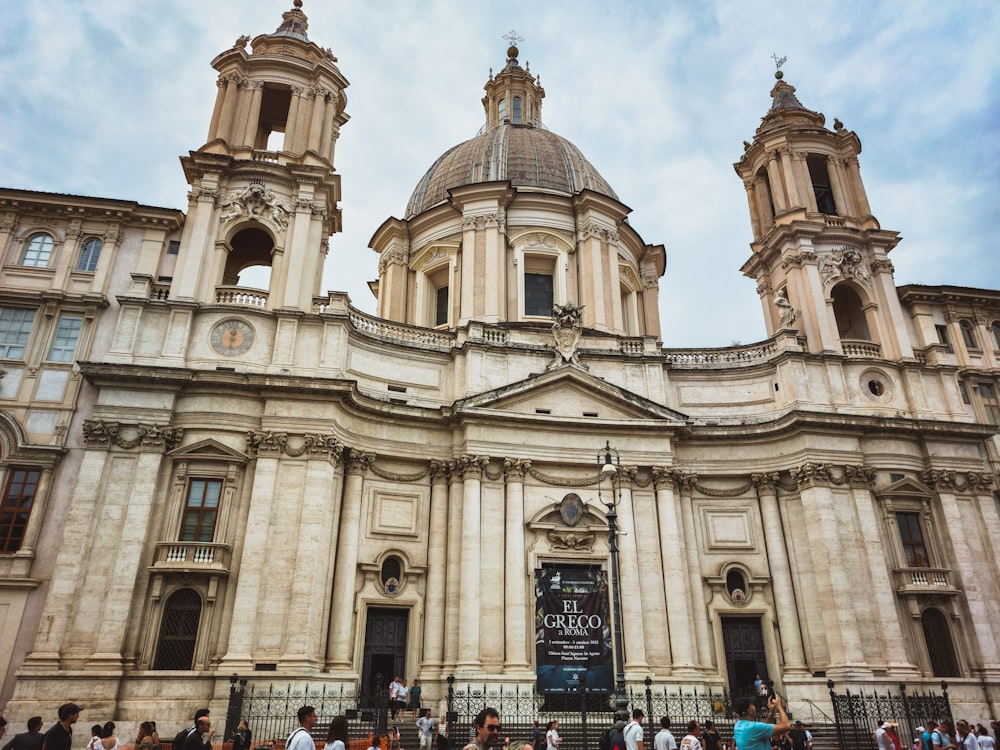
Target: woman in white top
95, 738
985, 741
552, 739
336, 736
109, 741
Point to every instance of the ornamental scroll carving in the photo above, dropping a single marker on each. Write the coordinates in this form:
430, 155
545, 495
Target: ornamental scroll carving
960, 481
99, 433
270, 443
854, 475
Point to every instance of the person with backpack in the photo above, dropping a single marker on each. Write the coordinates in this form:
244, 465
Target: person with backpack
181, 737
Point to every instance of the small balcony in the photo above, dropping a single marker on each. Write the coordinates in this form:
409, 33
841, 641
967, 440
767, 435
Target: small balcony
241, 296
923, 581
192, 557
861, 348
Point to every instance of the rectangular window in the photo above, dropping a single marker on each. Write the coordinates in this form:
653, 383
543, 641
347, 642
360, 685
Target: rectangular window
441, 307
964, 392
913, 540
201, 510
15, 510
538, 294
63, 347
15, 328
988, 395
942, 332
174, 247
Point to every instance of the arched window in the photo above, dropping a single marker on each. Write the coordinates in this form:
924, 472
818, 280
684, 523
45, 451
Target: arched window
766, 199
851, 322
819, 174
501, 110
89, 255
37, 251
939, 646
517, 110
178, 630
736, 586
968, 335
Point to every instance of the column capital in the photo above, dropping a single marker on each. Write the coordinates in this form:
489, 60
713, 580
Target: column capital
766, 482
439, 471
359, 461
469, 466
516, 468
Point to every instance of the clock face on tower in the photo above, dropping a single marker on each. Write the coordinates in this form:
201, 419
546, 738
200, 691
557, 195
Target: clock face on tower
232, 337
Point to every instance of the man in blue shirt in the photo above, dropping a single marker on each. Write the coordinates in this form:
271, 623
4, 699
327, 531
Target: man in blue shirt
750, 734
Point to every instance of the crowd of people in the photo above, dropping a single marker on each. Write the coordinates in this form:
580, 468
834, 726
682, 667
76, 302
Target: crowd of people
751, 732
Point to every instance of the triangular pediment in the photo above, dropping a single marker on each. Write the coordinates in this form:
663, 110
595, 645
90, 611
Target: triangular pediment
208, 450
568, 392
907, 488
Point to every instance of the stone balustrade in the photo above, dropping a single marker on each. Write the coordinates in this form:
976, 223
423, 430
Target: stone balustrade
241, 296
192, 556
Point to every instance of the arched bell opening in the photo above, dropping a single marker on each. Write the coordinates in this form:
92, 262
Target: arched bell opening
250, 258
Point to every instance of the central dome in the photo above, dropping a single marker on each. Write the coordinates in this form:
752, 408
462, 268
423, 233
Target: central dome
527, 156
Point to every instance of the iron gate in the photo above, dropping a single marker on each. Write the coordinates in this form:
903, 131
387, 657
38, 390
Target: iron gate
858, 715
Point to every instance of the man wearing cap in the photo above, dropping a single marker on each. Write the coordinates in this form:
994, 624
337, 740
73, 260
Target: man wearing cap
60, 734
750, 734
881, 738
801, 737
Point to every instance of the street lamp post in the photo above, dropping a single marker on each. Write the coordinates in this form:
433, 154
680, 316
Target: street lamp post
612, 469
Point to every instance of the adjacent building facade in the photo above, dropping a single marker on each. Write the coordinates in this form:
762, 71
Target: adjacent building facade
202, 478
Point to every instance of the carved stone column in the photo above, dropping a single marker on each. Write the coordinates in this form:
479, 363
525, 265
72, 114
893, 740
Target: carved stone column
781, 577
837, 573
341, 636
673, 559
516, 577
471, 468
437, 566
774, 176
453, 609
628, 557
699, 611
228, 108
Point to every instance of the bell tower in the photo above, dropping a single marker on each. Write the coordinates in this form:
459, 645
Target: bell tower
820, 258
264, 191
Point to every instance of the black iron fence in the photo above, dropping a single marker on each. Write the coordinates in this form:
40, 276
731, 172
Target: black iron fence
858, 715
584, 719
272, 712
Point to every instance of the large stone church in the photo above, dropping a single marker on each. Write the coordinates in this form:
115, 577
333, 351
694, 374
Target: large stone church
204, 477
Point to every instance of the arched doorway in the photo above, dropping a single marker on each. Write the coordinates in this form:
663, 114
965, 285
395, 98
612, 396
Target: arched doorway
940, 649
178, 630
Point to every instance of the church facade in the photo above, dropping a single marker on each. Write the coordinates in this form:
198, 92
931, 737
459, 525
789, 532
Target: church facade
203, 478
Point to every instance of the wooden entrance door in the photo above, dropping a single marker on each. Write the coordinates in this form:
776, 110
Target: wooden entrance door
384, 651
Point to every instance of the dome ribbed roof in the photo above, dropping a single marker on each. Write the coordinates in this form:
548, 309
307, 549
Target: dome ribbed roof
526, 156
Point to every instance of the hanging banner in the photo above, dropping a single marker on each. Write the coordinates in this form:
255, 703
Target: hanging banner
572, 631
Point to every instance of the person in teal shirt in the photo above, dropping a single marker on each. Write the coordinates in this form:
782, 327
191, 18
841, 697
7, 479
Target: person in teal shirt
750, 734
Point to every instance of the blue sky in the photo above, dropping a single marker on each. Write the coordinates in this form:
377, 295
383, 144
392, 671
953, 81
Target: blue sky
101, 97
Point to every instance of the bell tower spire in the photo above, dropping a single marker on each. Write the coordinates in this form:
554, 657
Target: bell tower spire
264, 191
820, 258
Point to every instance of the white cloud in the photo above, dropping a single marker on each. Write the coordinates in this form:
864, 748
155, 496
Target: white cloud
102, 97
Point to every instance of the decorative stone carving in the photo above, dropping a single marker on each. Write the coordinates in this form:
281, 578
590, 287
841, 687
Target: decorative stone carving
571, 509
843, 263
266, 442
571, 540
797, 260
98, 433
566, 329
786, 311
516, 468
822, 473
946, 479
471, 466
881, 264
241, 41
254, 202
359, 461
